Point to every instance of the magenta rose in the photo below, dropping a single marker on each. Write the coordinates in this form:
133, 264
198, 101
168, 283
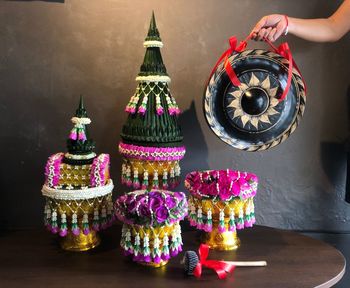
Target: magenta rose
144, 210
155, 200
131, 206
236, 188
170, 202
161, 214
122, 198
225, 193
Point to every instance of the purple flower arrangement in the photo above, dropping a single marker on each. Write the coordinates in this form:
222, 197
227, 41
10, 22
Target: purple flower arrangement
154, 208
151, 231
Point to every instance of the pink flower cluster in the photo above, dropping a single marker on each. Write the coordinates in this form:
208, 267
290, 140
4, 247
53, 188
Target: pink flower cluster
174, 110
77, 134
225, 184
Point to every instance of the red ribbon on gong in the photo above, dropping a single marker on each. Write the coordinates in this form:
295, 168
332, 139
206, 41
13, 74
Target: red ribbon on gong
282, 50
222, 268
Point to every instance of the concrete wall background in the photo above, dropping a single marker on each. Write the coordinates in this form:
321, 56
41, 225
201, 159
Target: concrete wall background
53, 51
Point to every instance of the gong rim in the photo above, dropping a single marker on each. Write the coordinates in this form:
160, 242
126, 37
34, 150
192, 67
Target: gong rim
262, 131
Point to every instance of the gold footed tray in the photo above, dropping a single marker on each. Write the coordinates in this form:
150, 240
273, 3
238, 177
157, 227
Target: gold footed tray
80, 242
220, 241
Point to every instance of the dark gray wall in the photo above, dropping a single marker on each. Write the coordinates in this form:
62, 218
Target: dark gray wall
53, 51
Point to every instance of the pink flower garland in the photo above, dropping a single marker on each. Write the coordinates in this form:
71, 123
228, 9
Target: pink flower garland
52, 169
225, 184
98, 168
152, 153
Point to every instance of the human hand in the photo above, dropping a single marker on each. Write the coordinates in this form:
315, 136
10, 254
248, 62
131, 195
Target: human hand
270, 27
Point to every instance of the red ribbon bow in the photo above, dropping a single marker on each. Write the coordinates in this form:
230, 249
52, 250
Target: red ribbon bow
282, 50
222, 268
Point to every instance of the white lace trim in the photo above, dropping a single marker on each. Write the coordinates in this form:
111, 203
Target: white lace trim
80, 157
153, 43
78, 194
82, 120
153, 78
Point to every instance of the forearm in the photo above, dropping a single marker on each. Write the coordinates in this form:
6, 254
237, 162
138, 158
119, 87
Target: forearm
323, 30
317, 30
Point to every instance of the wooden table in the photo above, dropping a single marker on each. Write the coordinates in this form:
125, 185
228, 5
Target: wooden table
33, 259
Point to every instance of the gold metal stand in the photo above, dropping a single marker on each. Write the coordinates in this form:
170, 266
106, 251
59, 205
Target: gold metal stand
220, 241
81, 242
154, 265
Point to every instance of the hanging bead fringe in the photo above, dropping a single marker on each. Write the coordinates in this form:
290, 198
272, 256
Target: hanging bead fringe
123, 176
75, 227
145, 182
96, 220
63, 227
85, 224
199, 218
143, 107
155, 182
165, 180
222, 227
151, 250
54, 226
136, 181
131, 107
159, 108
209, 222
146, 250
128, 176
231, 222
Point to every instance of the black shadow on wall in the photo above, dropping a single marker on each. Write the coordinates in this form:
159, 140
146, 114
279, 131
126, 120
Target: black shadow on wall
196, 157
334, 156
347, 188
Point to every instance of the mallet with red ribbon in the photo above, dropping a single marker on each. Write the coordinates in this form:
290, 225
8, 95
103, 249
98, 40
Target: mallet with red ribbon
194, 264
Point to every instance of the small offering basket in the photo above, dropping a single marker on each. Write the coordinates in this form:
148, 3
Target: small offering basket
221, 202
78, 189
151, 233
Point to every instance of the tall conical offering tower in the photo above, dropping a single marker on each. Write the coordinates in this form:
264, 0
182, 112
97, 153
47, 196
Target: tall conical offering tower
151, 143
78, 189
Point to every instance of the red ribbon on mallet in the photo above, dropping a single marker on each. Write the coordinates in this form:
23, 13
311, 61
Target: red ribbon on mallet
222, 268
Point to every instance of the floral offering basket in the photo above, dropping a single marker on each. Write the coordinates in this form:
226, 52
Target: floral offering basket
221, 202
151, 233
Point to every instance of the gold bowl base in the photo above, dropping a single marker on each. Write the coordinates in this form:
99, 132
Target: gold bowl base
80, 242
154, 265
220, 241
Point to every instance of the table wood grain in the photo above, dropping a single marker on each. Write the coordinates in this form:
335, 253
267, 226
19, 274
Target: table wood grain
32, 258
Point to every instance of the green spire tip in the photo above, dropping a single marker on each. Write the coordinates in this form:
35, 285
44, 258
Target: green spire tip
153, 33
81, 112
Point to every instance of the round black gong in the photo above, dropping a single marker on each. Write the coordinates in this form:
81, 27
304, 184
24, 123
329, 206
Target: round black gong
251, 117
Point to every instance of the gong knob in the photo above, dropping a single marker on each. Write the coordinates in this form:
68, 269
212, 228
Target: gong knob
254, 101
